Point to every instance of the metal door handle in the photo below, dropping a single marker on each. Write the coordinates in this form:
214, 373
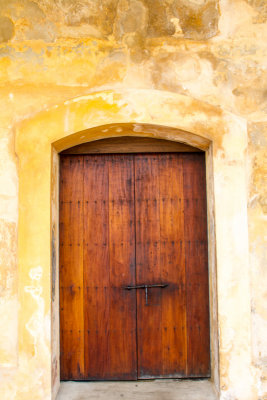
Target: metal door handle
146, 287
160, 285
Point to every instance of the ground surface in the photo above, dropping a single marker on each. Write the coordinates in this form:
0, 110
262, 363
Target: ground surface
141, 390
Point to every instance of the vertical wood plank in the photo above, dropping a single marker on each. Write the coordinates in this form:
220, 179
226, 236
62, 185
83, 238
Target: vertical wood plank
122, 336
96, 266
71, 268
160, 259
109, 265
172, 265
148, 268
196, 255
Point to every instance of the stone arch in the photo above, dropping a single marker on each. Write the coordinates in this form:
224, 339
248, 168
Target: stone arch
132, 130
149, 113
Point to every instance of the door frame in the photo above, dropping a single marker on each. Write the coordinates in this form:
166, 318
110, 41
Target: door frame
204, 146
152, 113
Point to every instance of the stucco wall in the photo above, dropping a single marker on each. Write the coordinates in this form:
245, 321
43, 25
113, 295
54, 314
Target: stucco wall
53, 51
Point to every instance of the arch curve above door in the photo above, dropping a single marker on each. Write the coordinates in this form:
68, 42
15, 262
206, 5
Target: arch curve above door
223, 135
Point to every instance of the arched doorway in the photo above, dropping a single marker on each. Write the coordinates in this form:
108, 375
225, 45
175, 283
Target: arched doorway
158, 114
134, 294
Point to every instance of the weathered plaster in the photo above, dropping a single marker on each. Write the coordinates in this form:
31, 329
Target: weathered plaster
214, 53
257, 212
228, 155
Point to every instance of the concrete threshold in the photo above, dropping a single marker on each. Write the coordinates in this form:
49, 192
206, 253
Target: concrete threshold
159, 389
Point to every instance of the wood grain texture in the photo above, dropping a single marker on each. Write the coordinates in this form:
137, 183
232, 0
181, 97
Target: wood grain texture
122, 337
105, 226
127, 220
160, 259
71, 268
130, 144
173, 265
148, 271
196, 256
96, 266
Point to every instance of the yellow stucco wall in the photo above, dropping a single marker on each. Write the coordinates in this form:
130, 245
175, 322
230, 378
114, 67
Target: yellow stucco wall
197, 65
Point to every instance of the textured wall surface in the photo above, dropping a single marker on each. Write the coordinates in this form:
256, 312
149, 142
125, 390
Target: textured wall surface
214, 51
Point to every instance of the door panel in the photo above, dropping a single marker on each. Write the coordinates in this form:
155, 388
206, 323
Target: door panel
71, 268
122, 313
196, 257
160, 259
96, 266
129, 220
109, 312
148, 268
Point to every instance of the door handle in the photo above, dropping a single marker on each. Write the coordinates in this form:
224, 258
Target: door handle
160, 285
146, 287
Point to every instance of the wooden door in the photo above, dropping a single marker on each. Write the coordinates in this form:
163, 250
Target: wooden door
129, 221
171, 249
97, 259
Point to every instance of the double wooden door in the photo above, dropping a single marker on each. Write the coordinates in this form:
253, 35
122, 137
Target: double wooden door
134, 298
